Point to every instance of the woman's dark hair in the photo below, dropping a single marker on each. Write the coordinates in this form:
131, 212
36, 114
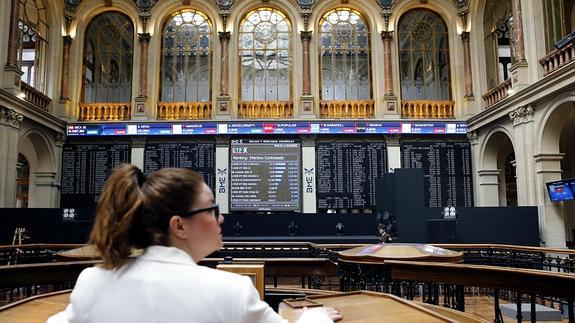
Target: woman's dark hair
134, 210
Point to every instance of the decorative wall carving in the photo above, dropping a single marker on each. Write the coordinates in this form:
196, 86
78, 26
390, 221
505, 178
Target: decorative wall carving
522, 114
10, 117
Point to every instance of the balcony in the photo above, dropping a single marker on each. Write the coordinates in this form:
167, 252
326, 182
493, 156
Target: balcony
184, 110
558, 58
497, 94
427, 109
349, 109
104, 111
265, 109
34, 96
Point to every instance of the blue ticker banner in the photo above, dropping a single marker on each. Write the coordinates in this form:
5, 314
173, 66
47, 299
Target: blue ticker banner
264, 127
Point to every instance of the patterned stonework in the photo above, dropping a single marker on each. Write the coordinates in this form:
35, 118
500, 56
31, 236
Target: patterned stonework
10, 117
522, 114
473, 137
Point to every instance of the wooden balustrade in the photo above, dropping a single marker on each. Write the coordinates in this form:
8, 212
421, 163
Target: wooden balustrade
558, 58
411, 109
184, 110
104, 111
349, 109
497, 94
34, 96
265, 109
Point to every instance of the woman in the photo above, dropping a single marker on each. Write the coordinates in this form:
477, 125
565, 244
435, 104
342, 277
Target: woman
172, 215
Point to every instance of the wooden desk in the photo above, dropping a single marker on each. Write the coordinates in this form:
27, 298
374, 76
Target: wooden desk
35, 309
371, 307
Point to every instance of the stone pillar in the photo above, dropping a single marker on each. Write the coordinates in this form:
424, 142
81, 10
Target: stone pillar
523, 126
476, 158
551, 218
393, 151
46, 186
141, 101
389, 98
65, 69
10, 122
309, 202
307, 99
13, 34
222, 173
488, 194
12, 73
518, 30
223, 100
467, 66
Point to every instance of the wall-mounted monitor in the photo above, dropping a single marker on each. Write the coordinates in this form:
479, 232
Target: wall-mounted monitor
265, 175
561, 190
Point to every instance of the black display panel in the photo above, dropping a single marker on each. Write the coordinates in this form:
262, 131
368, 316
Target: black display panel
265, 175
346, 174
85, 168
447, 171
199, 157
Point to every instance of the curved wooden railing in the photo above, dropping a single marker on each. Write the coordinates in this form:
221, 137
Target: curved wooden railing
497, 94
34, 96
347, 109
265, 109
104, 111
558, 58
412, 109
184, 110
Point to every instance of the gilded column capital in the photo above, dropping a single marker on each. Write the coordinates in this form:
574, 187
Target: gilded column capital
144, 37
465, 37
305, 35
224, 35
11, 117
386, 35
67, 40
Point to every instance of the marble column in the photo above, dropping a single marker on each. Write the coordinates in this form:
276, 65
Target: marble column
386, 36
144, 43
306, 78
13, 34
224, 65
467, 65
65, 68
10, 122
518, 30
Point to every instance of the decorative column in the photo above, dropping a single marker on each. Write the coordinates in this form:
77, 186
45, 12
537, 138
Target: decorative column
10, 122
12, 73
524, 137
141, 101
390, 100
65, 69
467, 66
519, 72
224, 97
306, 98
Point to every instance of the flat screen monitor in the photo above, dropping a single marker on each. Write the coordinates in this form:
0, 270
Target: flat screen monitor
560, 190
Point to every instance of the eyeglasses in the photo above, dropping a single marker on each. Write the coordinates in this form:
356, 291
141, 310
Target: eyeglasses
215, 208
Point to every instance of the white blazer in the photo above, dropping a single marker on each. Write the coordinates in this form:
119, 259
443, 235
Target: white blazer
166, 285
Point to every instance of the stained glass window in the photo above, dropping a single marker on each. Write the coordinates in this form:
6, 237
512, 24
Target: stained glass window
33, 45
186, 57
424, 56
344, 56
108, 58
265, 56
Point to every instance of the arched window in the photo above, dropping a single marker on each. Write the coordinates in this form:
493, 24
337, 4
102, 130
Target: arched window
22, 181
186, 57
32, 53
265, 56
498, 31
424, 56
344, 56
108, 59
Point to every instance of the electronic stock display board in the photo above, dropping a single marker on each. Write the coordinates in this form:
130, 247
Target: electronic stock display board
265, 175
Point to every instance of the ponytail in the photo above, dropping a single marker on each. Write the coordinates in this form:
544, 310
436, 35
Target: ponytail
117, 213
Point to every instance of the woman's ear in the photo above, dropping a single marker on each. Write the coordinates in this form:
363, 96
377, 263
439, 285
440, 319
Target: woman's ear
176, 227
